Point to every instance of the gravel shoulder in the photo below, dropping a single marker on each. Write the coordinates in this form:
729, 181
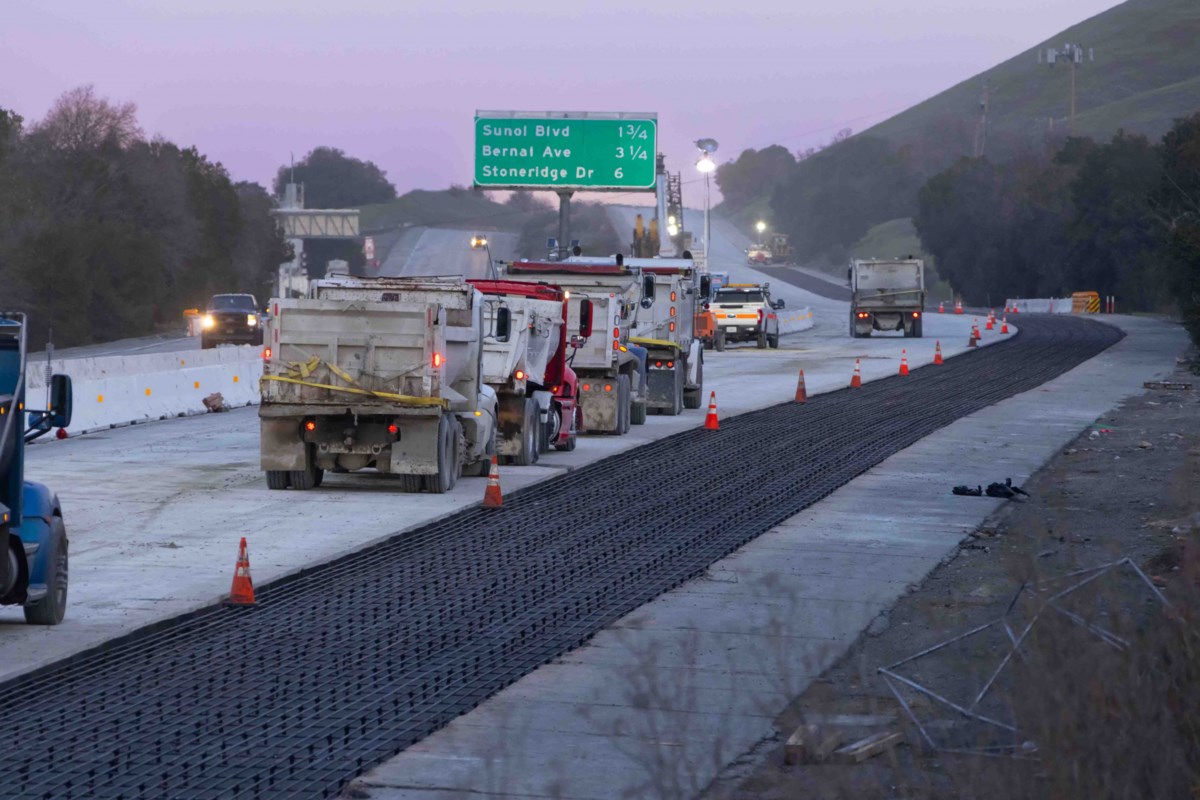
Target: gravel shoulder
1129, 485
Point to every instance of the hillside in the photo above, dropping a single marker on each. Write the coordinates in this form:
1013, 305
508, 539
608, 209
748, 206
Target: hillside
451, 208
1145, 74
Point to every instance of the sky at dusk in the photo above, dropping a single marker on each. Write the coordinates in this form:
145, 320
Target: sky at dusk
398, 82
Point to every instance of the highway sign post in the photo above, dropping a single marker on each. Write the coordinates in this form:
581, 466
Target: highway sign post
565, 152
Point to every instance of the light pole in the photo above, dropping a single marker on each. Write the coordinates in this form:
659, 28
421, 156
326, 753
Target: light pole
707, 166
481, 243
761, 227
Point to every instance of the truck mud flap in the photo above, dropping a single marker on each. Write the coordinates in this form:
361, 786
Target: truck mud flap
599, 409
280, 444
510, 424
661, 389
416, 451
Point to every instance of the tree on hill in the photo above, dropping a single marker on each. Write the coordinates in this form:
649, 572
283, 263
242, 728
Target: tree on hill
333, 179
754, 174
1177, 203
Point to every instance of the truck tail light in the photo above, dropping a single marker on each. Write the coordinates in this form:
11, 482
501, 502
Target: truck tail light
267, 354
672, 297
658, 363
672, 311
863, 315
392, 429
587, 387
916, 314
520, 375
616, 333
608, 387
671, 327
555, 389
670, 365
760, 316
310, 425
438, 360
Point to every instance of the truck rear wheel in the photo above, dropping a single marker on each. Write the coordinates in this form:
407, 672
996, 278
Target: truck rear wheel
530, 435
773, 341
51, 609
761, 341
447, 458
309, 477
277, 479
719, 342
624, 404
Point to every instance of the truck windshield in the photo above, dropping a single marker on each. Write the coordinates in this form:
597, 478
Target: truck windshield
232, 302
739, 296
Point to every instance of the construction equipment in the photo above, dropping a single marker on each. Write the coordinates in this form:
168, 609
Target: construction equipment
887, 296
379, 373
781, 250
611, 370
745, 312
665, 327
33, 569
536, 390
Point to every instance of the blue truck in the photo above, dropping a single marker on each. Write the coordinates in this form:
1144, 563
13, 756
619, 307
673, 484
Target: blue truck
33, 569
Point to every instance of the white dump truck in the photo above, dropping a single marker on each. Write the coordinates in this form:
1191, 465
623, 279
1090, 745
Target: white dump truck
378, 373
610, 369
665, 327
888, 295
529, 372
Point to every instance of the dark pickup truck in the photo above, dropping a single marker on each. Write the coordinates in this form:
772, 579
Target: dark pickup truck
231, 319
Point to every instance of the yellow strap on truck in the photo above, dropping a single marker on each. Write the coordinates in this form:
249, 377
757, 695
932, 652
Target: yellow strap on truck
298, 371
654, 342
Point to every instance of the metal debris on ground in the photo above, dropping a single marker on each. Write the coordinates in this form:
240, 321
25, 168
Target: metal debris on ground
1018, 746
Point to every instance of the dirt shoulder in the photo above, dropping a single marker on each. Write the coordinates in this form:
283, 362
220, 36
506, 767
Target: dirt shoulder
1127, 486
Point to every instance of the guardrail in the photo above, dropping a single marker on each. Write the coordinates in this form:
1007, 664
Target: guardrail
794, 320
1043, 305
118, 390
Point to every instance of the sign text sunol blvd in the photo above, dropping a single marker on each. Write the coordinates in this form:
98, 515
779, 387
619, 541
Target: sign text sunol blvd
565, 151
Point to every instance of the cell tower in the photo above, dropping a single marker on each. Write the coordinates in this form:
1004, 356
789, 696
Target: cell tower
1073, 55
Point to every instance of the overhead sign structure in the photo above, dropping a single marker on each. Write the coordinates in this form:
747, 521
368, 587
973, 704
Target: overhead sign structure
565, 151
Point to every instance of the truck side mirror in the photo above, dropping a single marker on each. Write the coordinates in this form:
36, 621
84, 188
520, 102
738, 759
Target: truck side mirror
585, 318
503, 323
779, 303
60, 401
706, 286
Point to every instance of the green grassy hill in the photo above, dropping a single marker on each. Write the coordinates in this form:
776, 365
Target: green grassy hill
1145, 74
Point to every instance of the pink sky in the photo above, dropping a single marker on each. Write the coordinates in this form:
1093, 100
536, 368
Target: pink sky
398, 82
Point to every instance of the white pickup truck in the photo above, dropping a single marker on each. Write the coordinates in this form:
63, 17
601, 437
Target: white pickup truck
745, 312
378, 373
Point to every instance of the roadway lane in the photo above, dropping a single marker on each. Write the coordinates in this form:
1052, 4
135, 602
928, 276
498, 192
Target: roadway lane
158, 343
444, 251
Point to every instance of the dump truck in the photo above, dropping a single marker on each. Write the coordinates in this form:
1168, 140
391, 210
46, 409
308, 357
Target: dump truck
528, 370
745, 312
887, 295
611, 370
665, 327
33, 570
379, 373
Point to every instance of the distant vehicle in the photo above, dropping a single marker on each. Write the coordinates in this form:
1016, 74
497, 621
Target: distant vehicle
378, 373
231, 319
33, 566
746, 313
888, 295
781, 250
758, 255
666, 328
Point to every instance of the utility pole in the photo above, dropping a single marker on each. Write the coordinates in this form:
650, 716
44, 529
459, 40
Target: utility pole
981, 129
1073, 55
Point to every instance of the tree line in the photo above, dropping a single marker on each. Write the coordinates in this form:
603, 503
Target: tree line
1120, 218
106, 234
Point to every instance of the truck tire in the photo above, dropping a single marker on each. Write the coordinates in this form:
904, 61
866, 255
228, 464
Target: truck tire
530, 435
761, 341
411, 483
447, 458
307, 478
553, 427
919, 327
481, 468
719, 340
773, 341
277, 479
693, 397
51, 608
624, 404
637, 413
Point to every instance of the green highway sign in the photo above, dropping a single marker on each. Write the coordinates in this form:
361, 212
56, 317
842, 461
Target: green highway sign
565, 151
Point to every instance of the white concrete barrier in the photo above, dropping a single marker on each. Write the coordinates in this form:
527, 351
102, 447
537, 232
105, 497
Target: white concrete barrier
1045, 305
117, 390
794, 320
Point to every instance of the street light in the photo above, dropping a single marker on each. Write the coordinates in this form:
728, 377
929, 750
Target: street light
479, 242
707, 166
761, 227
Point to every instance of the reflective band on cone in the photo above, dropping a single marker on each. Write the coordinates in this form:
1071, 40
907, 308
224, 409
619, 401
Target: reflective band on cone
1004, 324
491, 496
904, 362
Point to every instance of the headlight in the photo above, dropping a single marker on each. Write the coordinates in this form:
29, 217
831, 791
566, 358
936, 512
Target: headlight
251, 320
208, 321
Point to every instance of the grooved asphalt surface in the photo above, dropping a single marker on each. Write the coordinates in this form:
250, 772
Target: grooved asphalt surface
348, 663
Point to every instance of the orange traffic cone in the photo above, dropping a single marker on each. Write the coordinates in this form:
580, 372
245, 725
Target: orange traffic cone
974, 334
856, 380
937, 352
941, 307
958, 306
711, 423
242, 591
989, 323
1004, 324
801, 392
904, 362
1014, 308
492, 498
